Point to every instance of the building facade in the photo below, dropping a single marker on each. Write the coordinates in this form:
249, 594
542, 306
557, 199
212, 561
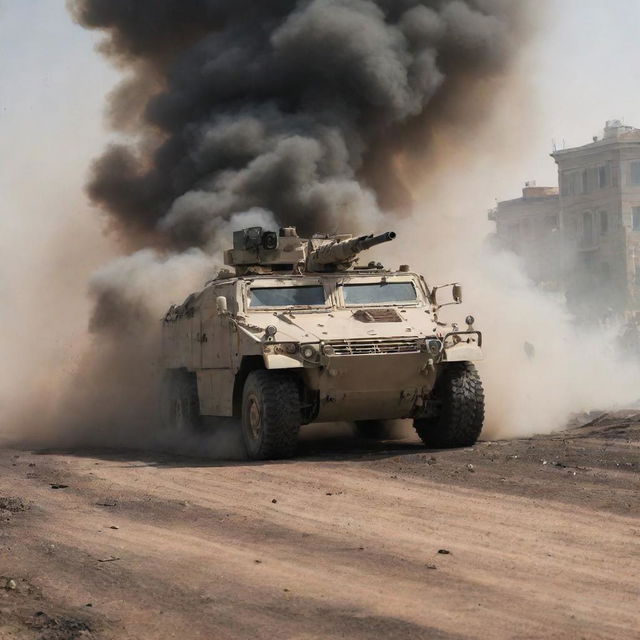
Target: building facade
600, 220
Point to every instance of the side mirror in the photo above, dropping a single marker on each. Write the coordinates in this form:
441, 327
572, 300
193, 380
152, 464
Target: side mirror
221, 305
456, 295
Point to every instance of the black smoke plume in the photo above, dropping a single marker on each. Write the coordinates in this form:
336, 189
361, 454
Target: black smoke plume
305, 108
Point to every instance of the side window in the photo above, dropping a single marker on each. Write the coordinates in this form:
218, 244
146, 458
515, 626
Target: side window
604, 222
636, 218
587, 228
603, 177
583, 182
635, 172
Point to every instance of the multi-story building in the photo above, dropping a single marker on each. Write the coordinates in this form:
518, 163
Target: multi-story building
600, 220
530, 227
584, 240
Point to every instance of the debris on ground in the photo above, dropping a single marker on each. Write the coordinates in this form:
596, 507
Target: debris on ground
12, 504
59, 627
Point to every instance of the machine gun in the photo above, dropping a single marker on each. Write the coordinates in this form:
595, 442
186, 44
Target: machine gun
339, 255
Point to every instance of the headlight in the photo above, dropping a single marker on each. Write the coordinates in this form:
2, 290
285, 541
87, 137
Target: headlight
309, 352
434, 347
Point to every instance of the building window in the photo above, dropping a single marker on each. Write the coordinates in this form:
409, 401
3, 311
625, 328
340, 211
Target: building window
636, 218
635, 172
587, 229
574, 183
604, 222
603, 177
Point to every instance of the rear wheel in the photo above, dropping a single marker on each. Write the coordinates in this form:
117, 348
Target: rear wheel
180, 403
458, 400
271, 415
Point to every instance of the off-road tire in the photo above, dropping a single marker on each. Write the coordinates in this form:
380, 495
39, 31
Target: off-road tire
180, 404
459, 397
271, 415
372, 429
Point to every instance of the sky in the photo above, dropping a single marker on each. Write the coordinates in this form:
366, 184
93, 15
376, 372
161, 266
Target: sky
582, 73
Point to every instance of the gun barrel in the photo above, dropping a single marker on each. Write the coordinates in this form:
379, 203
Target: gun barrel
367, 242
344, 252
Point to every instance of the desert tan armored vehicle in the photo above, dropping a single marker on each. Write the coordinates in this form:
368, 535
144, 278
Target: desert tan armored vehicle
299, 333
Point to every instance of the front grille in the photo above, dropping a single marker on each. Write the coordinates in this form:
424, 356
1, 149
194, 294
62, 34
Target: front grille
368, 346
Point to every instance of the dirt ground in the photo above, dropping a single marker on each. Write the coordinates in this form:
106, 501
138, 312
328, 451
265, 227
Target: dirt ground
532, 538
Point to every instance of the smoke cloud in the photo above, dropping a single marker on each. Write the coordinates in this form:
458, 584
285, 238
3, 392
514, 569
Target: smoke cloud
304, 108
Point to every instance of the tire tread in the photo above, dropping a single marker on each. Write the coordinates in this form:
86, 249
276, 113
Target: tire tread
281, 415
462, 415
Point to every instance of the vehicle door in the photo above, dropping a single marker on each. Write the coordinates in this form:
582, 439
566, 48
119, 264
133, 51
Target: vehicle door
217, 331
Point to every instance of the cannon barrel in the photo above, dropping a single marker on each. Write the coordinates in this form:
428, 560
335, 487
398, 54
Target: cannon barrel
366, 242
347, 250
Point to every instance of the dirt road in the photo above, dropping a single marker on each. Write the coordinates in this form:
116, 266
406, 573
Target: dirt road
536, 538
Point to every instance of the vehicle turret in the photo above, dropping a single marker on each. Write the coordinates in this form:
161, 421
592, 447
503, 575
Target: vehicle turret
256, 251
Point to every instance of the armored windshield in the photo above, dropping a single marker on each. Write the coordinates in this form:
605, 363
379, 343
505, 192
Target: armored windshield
287, 297
380, 293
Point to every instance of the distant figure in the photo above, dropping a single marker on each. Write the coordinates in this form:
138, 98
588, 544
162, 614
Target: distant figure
530, 350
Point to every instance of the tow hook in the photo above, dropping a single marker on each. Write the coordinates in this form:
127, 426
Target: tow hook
428, 368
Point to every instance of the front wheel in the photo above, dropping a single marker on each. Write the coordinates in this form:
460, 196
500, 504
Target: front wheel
271, 415
458, 399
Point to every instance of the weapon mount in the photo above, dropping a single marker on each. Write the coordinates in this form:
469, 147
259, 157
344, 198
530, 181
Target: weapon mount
257, 252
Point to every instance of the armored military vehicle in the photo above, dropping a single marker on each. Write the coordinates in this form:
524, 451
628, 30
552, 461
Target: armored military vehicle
298, 333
